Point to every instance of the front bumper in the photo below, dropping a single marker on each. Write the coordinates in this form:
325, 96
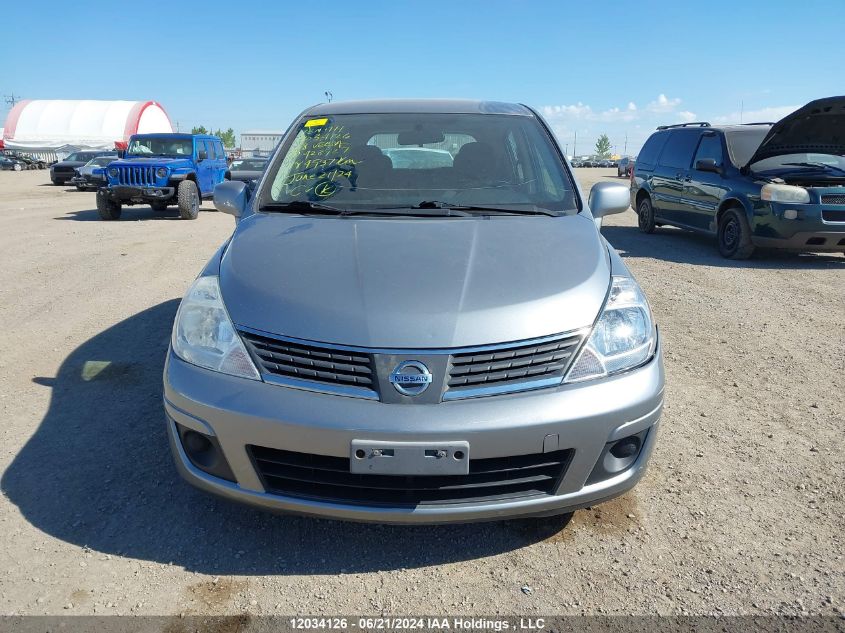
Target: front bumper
125, 193
582, 417
812, 229
86, 181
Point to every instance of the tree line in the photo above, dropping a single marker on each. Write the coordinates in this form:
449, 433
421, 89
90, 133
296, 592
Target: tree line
228, 137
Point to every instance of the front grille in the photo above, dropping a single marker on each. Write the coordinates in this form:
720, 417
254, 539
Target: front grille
833, 216
136, 176
62, 169
311, 362
833, 198
511, 366
325, 478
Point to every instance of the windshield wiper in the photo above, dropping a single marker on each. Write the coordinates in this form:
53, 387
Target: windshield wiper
503, 209
302, 205
824, 165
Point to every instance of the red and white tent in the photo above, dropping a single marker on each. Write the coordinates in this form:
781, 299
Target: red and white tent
48, 124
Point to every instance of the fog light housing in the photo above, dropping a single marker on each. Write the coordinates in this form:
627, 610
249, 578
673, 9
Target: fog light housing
790, 214
204, 452
618, 456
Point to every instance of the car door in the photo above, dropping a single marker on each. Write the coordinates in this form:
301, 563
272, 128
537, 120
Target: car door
220, 164
704, 188
670, 176
205, 167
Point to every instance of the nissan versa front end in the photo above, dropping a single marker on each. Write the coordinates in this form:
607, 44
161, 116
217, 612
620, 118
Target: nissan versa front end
415, 320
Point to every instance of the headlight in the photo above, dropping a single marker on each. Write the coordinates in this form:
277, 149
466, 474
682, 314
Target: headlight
204, 335
113, 172
784, 193
623, 338
161, 172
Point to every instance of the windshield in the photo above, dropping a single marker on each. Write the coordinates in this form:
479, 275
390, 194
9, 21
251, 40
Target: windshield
249, 164
101, 161
743, 143
355, 161
801, 161
160, 146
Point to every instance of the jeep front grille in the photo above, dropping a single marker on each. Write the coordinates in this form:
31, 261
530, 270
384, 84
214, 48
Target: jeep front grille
136, 176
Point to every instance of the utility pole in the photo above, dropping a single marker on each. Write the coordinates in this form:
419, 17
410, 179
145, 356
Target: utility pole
575, 142
329, 95
177, 126
741, 109
625, 151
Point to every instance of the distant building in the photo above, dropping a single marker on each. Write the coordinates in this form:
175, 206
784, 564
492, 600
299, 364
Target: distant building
259, 141
44, 126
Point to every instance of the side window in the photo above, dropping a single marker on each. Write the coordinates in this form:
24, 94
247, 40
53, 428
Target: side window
709, 147
221, 153
201, 147
648, 155
679, 149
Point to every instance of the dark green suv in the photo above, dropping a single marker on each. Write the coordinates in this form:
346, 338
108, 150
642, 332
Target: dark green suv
778, 185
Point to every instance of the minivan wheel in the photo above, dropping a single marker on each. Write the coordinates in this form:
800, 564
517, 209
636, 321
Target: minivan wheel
735, 235
645, 216
108, 209
189, 200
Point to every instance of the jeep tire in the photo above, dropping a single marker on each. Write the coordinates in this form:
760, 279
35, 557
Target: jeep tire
159, 205
107, 208
189, 200
734, 235
645, 216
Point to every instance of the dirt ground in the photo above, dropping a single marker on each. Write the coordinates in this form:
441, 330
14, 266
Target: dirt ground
741, 511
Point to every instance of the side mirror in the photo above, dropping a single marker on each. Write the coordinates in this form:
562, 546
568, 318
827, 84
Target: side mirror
607, 198
230, 197
202, 155
708, 164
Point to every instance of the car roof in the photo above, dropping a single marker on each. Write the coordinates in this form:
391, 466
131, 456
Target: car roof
443, 106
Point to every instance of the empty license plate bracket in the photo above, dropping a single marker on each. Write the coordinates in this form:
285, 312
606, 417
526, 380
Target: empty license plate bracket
409, 458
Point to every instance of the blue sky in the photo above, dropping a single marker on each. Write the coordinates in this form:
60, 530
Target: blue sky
591, 67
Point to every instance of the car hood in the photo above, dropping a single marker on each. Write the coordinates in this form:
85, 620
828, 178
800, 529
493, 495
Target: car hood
69, 163
152, 161
817, 127
246, 174
415, 283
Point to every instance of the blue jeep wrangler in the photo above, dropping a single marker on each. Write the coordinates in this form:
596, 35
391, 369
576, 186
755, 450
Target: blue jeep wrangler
162, 170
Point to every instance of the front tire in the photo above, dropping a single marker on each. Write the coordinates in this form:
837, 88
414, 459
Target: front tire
734, 235
189, 200
108, 209
645, 216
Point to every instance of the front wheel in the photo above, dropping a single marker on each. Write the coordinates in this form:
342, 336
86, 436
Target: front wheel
189, 200
108, 209
735, 235
645, 216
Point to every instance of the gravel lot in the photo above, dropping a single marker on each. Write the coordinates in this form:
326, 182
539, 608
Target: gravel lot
741, 511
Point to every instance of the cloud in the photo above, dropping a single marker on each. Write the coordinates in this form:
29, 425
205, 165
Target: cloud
773, 113
663, 104
686, 116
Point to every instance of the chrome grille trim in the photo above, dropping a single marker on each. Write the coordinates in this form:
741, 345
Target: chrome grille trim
578, 338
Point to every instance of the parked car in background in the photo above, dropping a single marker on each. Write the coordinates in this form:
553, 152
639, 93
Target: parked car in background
11, 163
247, 169
778, 185
624, 166
162, 170
64, 170
92, 174
311, 370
